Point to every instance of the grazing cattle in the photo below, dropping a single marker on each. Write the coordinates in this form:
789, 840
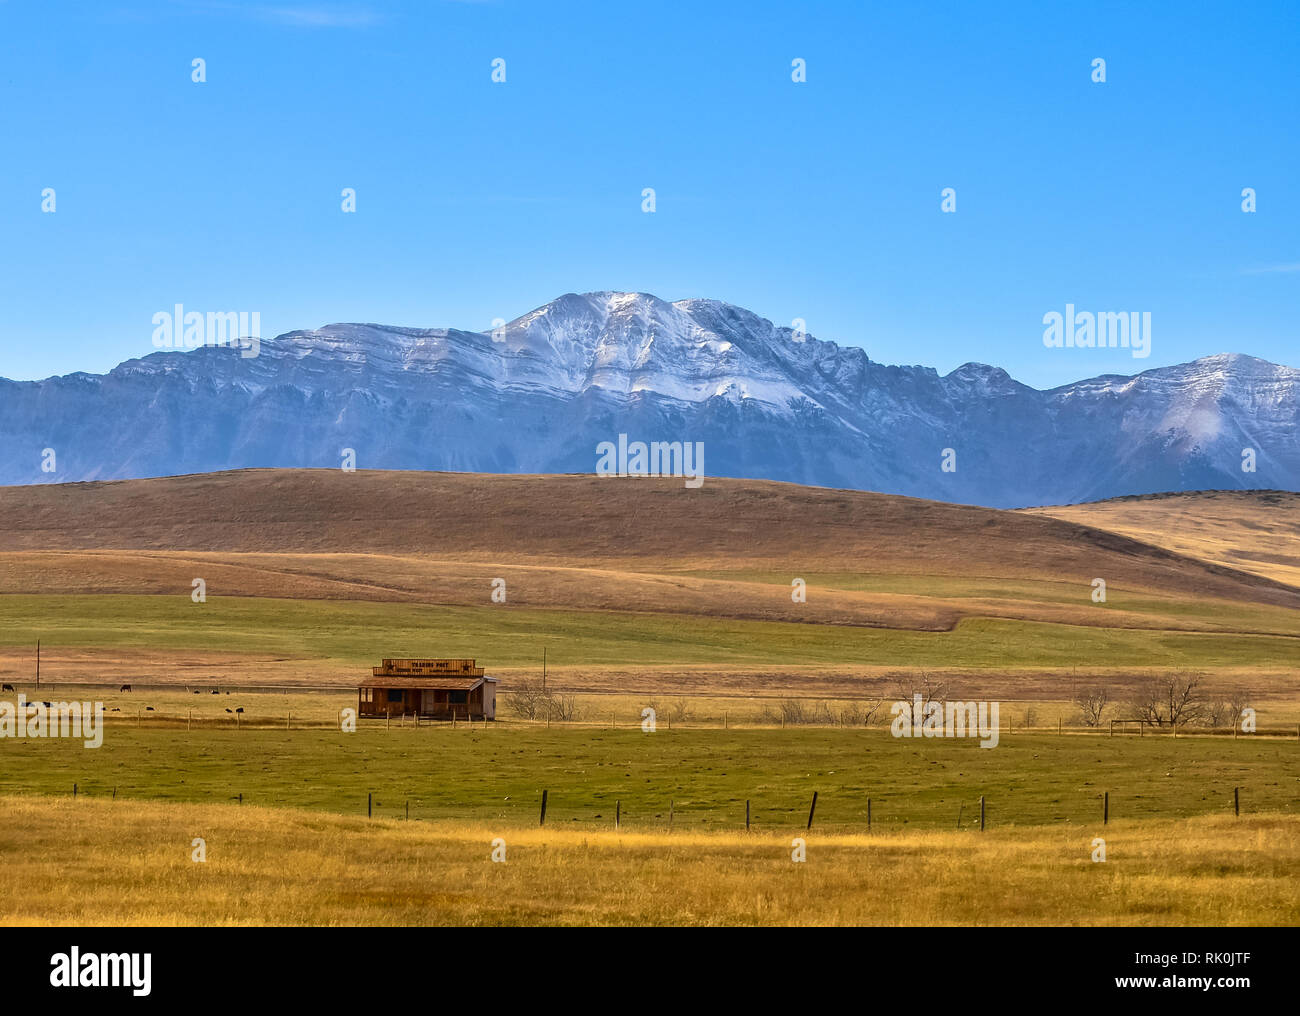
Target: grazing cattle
196, 691
215, 692
125, 687
240, 709
115, 710
148, 709
227, 710
6, 687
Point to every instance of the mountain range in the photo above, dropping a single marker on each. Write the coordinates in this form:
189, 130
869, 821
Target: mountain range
541, 393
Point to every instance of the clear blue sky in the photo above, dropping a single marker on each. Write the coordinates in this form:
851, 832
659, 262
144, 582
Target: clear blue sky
820, 200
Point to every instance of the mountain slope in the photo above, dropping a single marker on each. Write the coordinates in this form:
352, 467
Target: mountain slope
541, 393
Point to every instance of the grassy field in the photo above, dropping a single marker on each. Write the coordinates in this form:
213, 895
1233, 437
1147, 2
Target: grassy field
639, 594
497, 774
360, 633
94, 862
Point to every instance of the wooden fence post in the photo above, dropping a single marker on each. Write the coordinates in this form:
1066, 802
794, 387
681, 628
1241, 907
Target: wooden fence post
618, 814
981, 812
747, 816
1105, 808
542, 821
868, 814
370, 805
812, 809
74, 791
1236, 801
960, 806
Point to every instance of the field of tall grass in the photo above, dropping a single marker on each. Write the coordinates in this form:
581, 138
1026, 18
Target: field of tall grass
101, 862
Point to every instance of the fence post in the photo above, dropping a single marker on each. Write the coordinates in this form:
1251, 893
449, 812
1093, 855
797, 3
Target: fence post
981, 812
1236, 801
812, 809
618, 814
868, 814
542, 821
960, 806
747, 815
74, 791
370, 805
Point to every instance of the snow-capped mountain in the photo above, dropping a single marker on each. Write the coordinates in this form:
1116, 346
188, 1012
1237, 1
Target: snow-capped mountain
541, 393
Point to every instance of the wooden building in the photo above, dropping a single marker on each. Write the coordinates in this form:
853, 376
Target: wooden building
438, 689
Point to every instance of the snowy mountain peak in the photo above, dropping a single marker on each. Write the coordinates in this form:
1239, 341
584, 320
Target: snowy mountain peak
539, 393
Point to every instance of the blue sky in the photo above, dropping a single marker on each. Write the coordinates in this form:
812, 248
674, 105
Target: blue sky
818, 200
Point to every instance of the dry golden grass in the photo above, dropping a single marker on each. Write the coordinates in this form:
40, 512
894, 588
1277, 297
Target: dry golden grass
99, 862
1254, 531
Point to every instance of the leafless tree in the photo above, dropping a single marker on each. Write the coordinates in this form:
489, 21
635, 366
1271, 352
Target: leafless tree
527, 701
1216, 712
1092, 704
561, 707
925, 684
524, 699
1239, 700
1171, 700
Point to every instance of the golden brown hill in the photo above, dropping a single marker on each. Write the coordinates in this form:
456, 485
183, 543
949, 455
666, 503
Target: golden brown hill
731, 547
1256, 531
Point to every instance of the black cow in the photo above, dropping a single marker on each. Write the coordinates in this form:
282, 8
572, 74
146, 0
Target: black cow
125, 687
6, 687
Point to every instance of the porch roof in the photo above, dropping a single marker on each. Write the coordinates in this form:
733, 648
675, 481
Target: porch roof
426, 683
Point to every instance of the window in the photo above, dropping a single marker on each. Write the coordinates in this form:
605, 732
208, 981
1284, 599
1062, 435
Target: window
458, 698
394, 695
